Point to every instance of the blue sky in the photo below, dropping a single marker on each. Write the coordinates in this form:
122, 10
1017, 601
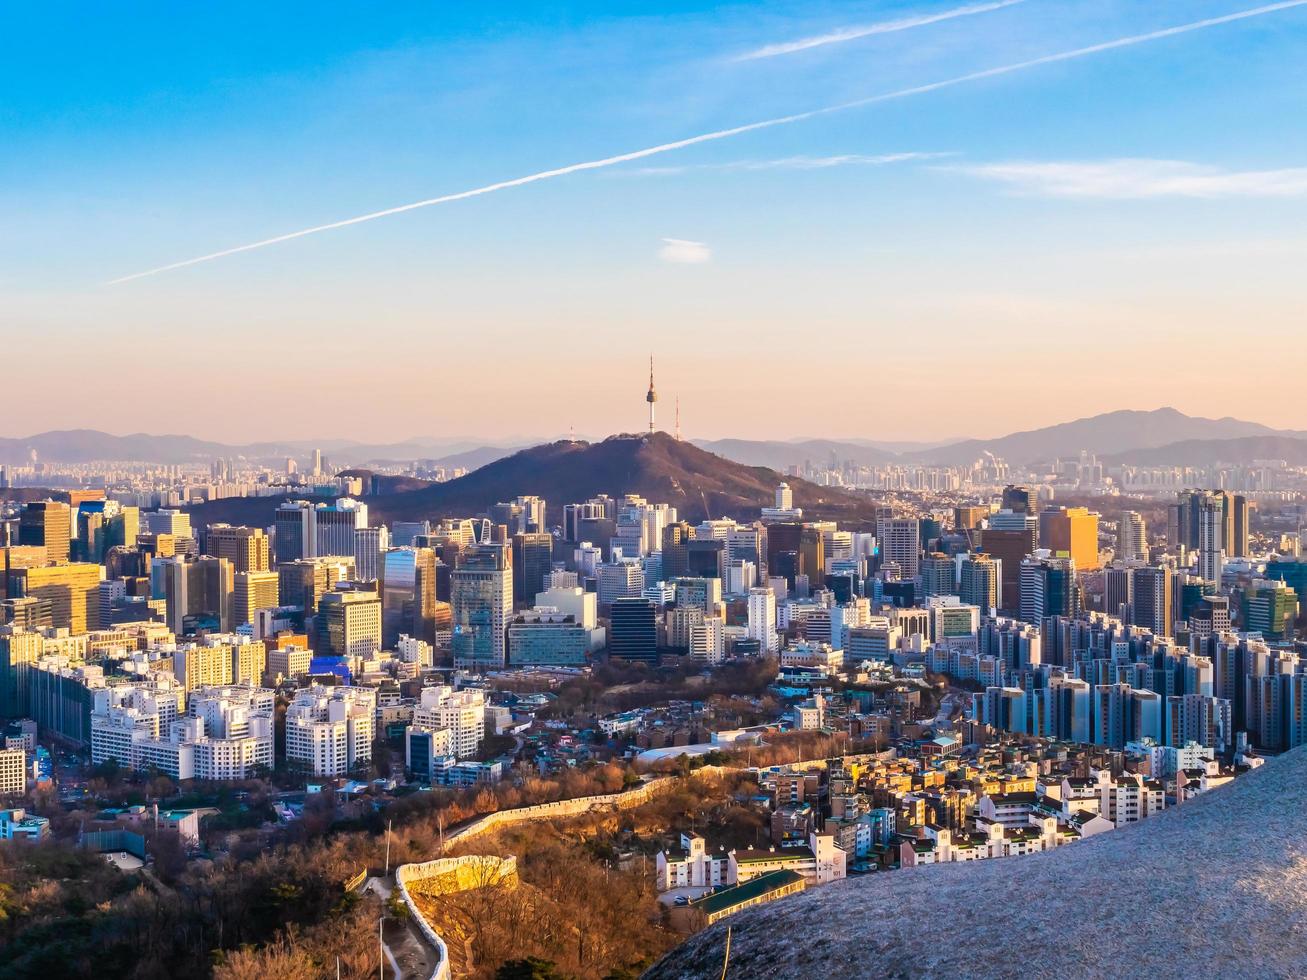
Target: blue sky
1072, 238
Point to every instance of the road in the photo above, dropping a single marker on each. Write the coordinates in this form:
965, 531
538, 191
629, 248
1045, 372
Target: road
407, 952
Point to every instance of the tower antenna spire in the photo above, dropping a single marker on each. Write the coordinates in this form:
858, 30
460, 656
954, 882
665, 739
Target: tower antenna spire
652, 396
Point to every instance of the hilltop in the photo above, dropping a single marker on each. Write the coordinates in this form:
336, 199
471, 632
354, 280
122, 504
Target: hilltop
1215, 887
658, 467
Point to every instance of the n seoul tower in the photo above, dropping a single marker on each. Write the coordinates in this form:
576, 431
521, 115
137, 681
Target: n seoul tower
652, 397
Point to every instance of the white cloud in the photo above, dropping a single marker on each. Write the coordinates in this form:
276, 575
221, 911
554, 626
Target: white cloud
867, 30
788, 163
1138, 179
683, 252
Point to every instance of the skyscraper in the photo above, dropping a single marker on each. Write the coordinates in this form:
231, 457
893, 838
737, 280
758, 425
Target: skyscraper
1153, 604
900, 542
533, 555
245, 547
1070, 532
47, 523
979, 582
762, 619
481, 596
1130, 536
632, 631
70, 588
294, 527
252, 591
1048, 588
349, 623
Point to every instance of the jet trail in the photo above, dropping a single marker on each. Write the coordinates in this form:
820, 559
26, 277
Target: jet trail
720, 134
867, 30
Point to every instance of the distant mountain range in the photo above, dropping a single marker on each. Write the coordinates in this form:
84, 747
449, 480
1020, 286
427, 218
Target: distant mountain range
1161, 436
658, 467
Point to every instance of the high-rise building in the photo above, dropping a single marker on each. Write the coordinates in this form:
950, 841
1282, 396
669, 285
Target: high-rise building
762, 619
1270, 607
329, 730
1152, 599
251, 591
1070, 532
481, 596
1010, 538
938, 573
1048, 588
408, 594
900, 542
334, 526
349, 623
632, 631
1131, 541
294, 527
533, 555
47, 523
197, 592
303, 583
71, 589
1020, 500
245, 547
370, 544
979, 582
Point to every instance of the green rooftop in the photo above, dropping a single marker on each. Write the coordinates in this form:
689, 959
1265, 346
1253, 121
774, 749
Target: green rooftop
739, 894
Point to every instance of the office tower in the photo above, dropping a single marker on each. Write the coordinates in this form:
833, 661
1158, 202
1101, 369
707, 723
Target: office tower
1270, 608
1048, 588
762, 619
705, 557
1153, 600
900, 542
30, 613
1130, 537
252, 591
522, 515
1010, 538
169, 521
937, 575
334, 526
370, 544
303, 583
1020, 500
979, 582
1211, 539
88, 545
317, 462
546, 637
675, 538
245, 547
1070, 532
48, 524
620, 580
19, 650
967, 517
1211, 618
481, 596
1237, 525
349, 623
784, 497
71, 589
294, 526
1119, 590
632, 631
123, 527
198, 665
403, 534
533, 557
573, 515
408, 594
197, 592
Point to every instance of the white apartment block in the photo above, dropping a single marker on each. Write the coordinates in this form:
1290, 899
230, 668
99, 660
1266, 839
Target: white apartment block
462, 713
330, 729
13, 772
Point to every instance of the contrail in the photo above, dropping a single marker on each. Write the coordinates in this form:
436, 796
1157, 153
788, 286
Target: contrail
720, 134
867, 30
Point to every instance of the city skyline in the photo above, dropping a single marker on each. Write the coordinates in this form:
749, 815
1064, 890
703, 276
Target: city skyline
1018, 182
